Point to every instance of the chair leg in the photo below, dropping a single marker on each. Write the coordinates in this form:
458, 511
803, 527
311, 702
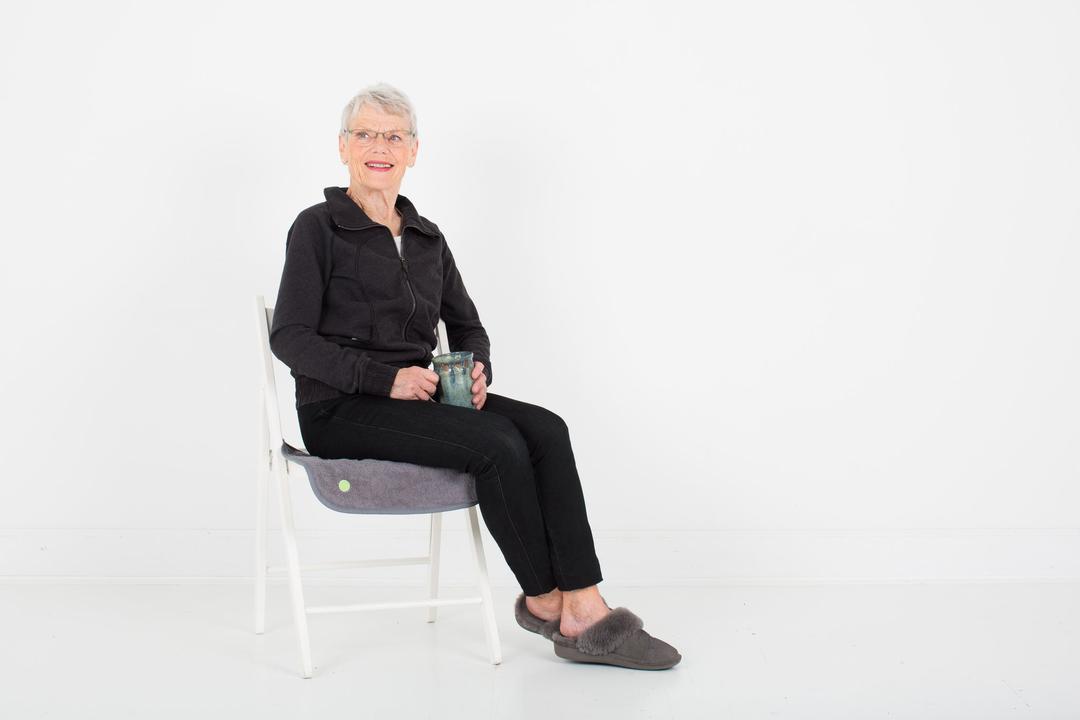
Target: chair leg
434, 541
487, 607
292, 556
262, 497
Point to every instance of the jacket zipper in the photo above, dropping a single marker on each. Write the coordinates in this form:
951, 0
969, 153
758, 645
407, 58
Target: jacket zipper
405, 269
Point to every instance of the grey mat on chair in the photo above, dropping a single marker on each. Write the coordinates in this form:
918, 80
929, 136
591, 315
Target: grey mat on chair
384, 486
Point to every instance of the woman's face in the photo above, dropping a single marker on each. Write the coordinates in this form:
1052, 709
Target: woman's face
359, 156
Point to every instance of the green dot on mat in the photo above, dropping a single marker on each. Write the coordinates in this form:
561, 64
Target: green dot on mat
344, 486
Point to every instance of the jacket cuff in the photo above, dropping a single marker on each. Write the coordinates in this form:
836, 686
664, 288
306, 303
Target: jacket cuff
377, 378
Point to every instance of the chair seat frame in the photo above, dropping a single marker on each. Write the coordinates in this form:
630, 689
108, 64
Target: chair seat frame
274, 465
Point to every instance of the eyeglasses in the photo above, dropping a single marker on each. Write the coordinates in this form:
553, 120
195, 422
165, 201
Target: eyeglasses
394, 138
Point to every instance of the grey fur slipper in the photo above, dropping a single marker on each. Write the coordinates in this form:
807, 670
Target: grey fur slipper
532, 623
618, 639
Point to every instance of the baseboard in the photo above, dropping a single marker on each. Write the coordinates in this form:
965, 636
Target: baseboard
650, 557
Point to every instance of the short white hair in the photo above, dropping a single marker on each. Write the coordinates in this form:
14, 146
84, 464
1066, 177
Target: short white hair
382, 95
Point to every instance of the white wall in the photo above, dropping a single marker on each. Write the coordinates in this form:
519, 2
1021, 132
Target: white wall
805, 273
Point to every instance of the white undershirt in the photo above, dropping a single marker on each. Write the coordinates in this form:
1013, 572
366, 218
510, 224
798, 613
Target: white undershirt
397, 239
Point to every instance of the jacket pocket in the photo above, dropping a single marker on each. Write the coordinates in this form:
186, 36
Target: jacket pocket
346, 311
360, 331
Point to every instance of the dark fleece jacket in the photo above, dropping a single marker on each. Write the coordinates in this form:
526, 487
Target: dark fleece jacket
350, 312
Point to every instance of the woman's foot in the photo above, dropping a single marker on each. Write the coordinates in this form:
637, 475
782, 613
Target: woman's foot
547, 606
581, 608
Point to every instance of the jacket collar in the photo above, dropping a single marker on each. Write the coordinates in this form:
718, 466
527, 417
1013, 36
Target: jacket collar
347, 215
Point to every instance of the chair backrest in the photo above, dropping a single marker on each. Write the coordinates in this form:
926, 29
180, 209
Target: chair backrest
264, 321
269, 412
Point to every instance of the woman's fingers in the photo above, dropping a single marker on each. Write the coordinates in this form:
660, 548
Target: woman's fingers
478, 376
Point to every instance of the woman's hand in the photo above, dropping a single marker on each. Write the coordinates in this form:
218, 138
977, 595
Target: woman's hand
414, 383
479, 388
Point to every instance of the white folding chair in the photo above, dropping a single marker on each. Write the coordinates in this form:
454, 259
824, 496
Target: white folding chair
402, 488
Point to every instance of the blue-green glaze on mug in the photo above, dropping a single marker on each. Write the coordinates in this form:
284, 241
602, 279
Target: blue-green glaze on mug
455, 377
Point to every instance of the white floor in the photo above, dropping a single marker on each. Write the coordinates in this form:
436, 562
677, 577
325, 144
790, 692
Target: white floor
853, 651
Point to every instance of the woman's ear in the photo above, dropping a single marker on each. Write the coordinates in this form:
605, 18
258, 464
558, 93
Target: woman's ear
412, 152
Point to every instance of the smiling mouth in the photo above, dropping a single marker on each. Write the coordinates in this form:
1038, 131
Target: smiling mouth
379, 166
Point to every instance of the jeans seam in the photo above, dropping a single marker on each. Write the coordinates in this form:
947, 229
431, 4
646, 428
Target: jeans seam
498, 475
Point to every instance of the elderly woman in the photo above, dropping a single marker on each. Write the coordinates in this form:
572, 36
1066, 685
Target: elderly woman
354, 321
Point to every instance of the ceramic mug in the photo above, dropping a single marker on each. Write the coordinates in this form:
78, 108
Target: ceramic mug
455, 378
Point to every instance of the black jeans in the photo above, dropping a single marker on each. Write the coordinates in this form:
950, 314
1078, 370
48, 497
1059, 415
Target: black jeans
527, 483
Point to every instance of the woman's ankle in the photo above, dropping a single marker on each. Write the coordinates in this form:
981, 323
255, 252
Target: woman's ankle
573, 624
585, 605
550, 601
551, 596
